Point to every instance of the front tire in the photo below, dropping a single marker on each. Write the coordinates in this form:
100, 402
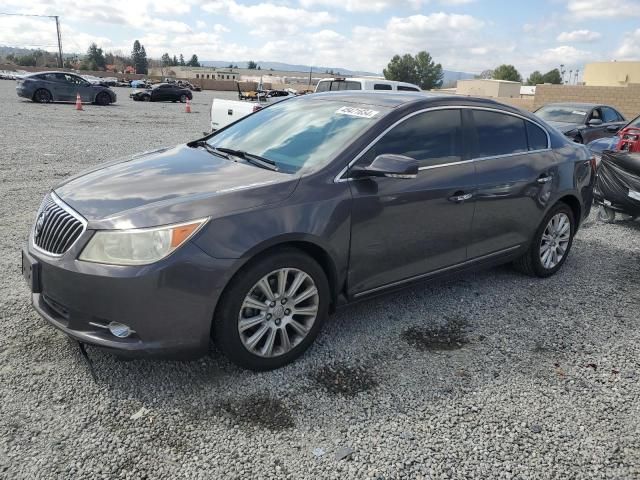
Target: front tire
183, 98
103, 99
551, 244
272, 310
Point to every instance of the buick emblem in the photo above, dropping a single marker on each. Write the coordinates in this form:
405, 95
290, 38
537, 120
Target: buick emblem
40, 223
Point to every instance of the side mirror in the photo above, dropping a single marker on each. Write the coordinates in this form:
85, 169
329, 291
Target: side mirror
594, 122
390, 166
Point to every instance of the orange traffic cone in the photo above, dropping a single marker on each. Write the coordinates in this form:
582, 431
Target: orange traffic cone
187, 108
78, 102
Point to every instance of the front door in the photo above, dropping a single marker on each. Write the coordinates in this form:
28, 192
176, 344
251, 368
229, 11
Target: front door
516, 172
406, 228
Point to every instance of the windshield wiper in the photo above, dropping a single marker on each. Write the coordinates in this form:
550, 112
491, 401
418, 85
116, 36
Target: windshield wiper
250, 157
204, 144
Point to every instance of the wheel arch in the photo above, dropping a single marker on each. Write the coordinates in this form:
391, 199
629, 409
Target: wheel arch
575, 206
306, 245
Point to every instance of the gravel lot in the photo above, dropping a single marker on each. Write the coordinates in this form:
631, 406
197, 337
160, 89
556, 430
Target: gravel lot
493, 375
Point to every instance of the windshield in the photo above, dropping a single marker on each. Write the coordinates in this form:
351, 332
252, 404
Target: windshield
299, 133
562, 114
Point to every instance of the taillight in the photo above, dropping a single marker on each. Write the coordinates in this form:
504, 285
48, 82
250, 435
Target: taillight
256, 108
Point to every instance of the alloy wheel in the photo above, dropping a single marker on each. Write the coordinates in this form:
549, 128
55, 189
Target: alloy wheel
278, 312
555, 240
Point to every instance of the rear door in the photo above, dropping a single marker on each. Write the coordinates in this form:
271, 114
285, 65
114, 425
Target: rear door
405, 228
516, 171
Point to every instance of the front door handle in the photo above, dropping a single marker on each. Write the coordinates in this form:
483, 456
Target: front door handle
545, 178
460, 197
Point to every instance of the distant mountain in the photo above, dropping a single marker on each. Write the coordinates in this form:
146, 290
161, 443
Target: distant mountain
450, 77
285, 67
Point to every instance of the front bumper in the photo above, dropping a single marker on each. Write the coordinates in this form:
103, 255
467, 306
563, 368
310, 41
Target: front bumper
169, 304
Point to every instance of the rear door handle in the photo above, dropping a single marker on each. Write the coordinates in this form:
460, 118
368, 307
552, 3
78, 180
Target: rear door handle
460, 197
545, 178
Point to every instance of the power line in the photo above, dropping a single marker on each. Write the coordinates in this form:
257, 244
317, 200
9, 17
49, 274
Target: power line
28, 15
60, 61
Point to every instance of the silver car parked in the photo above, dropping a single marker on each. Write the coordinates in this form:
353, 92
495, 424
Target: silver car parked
45, 87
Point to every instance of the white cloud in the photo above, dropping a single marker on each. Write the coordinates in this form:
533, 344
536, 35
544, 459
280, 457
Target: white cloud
598, 9
577, 36
269, 18
364, 5
630, 47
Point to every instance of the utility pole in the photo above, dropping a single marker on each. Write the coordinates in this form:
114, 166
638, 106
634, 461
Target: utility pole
61, 62
310, 70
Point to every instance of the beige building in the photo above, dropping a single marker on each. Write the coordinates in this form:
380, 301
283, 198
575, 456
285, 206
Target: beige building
611, 74
195, 73
489, 88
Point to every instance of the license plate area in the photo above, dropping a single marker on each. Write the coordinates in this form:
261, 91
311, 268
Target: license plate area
31, 272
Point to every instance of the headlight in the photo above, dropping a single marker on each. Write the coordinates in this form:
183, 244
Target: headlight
140, 246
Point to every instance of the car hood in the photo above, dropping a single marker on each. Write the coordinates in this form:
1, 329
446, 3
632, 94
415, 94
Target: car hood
563, 127
171, 185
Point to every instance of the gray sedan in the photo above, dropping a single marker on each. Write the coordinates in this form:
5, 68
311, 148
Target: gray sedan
48, 87
582, 122
254, 234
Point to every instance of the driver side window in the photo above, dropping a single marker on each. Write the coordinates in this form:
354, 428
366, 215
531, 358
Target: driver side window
431, 138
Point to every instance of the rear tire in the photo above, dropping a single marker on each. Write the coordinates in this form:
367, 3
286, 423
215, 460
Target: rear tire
551, 243
278, 326
42, 95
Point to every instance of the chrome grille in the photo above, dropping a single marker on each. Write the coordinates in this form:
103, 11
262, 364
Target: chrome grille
57, 227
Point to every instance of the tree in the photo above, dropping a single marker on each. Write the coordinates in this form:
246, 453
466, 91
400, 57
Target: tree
485, 75
429, 73
139, 58
94, 59
536, 78
174, 61
552, 76
251, 65
401, 69
182, 64
166, 60
193, 62
507, 72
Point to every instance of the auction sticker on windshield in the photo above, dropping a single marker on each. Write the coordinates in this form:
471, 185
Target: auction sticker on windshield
357, 112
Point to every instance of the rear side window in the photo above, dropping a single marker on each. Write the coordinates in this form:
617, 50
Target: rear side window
499, 134
432, 138
537, 137
402, 88
382, 86
609, 115
323, 86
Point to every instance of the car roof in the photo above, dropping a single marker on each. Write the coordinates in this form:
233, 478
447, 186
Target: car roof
394, 99
576, 104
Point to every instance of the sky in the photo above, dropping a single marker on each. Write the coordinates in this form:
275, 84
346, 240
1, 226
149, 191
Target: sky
462, 35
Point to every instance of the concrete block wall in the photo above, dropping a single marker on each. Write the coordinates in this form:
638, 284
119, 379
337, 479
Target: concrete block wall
626, 99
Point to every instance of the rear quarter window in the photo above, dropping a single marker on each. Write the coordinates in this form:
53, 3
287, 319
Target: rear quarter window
402, 88
499, 134
382, 86
537, 137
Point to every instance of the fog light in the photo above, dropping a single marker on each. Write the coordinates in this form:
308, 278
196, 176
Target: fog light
120, 330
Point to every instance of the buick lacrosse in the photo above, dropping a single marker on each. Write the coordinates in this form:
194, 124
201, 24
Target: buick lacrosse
252, 235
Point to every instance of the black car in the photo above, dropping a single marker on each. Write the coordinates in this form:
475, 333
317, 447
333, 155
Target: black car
252, 235
162, 92
48, 87
582, 122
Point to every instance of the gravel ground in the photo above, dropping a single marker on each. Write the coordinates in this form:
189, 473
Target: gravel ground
494, 375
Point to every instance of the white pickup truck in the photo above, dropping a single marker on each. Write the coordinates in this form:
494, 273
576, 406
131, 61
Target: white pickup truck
364, 83
224, 112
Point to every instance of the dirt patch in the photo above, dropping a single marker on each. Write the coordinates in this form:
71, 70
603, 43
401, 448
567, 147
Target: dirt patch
442, 337
344, 380
261, 411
